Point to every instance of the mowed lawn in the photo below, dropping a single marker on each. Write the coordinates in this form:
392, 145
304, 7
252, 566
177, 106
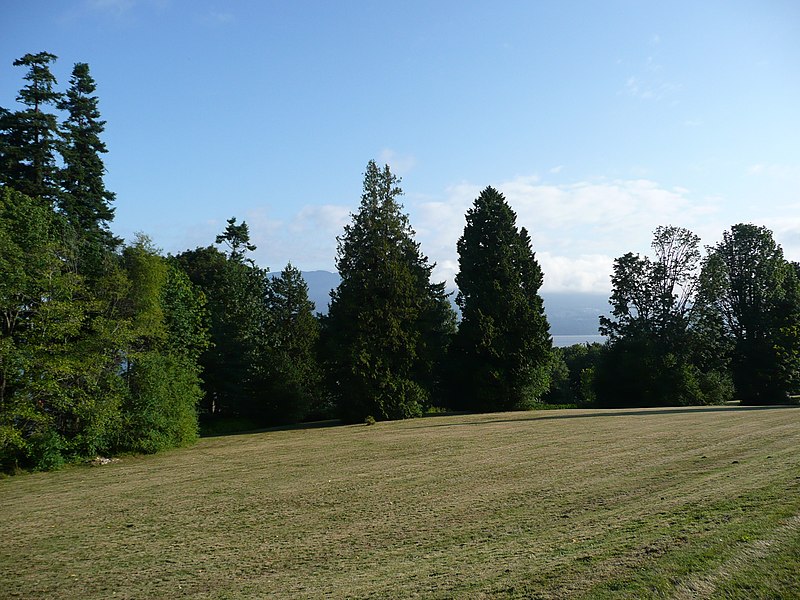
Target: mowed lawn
685, 503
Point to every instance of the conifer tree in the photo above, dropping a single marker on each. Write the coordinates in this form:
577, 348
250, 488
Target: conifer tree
288, 370
28, 137
502, 351
380, 329
84, 199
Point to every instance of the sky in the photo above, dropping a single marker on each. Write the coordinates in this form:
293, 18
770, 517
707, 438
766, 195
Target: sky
599, 121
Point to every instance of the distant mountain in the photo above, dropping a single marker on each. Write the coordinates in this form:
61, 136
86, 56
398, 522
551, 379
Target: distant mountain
320, 284
569, 313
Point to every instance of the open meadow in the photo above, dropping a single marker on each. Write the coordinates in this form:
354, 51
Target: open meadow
659, 503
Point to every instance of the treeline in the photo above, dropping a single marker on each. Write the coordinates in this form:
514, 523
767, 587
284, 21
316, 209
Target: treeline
107, 348
688, 329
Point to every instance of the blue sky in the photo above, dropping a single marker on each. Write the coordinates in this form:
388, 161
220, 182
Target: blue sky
598, 120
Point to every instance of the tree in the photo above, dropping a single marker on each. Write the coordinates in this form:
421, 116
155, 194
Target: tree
755, 293
288, 373
84, 198
381, 328
502, 348
237, 239
572, 380
28, 137
60, 393
236, 291
664, 349
160, 369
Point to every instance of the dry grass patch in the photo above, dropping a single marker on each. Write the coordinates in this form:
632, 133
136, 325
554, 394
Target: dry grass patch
641, 503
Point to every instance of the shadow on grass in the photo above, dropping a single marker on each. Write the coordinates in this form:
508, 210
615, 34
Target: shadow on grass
210, 432
537, 415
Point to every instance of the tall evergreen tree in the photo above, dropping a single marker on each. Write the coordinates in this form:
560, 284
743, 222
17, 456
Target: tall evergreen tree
502, 351
381, 324
84, 198
28, 137
288, 371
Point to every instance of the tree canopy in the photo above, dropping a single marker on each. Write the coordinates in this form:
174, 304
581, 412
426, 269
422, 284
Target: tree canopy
501, 353
385, 314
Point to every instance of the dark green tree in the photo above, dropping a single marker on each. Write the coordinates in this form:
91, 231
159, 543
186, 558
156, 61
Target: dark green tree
502, 351
237, 239
28, 137
288, 373
236, 291
84, 198
755, 292
664, 348
573, 376
382, 334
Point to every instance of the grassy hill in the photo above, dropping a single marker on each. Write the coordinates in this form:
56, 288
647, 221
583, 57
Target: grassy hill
687, 503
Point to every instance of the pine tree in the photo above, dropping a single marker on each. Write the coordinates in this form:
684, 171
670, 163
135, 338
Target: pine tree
288, 370
84, 198
28, 137
381, 325
502, 351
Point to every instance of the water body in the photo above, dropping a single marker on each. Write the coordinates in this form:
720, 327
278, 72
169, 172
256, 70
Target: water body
561, 341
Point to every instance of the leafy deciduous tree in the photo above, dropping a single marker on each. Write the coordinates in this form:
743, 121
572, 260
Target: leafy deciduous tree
664, 349
756, 294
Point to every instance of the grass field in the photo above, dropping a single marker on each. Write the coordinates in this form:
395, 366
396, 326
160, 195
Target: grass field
683, 503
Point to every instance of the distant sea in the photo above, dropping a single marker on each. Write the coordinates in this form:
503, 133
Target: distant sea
569, 340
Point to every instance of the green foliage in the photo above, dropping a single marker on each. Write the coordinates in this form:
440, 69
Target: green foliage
83, 197
28, 137
384, 335
57, 358
161, 410
664, 347
168, 320
98, 352
755, 293
236, 291
501, 353
289, 372
573, 374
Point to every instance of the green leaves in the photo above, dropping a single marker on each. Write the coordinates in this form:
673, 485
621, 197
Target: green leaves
755, 294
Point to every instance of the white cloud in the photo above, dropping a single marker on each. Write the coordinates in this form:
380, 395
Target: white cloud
557, 169
577, 229
308, 239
